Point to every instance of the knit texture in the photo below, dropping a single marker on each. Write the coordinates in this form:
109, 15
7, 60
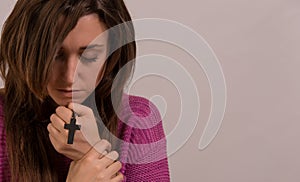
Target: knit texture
142, 143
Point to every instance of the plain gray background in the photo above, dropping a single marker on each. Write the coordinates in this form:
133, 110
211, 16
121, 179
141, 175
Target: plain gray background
257, 44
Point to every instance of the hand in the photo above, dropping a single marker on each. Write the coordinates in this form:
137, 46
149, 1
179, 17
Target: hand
96, 166
59, 136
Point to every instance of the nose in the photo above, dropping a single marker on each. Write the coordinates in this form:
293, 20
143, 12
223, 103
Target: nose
69, 73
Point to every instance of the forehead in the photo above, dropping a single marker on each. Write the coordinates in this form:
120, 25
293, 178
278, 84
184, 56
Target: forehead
89, 28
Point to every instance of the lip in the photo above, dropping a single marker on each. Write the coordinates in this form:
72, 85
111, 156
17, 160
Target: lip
68, 92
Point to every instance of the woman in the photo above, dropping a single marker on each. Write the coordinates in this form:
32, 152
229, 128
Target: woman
57, 59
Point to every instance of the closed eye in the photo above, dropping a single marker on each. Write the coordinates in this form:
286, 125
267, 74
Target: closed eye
59, 56
90, 55
88, 59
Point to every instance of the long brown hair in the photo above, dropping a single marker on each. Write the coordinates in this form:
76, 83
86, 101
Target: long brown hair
31, 36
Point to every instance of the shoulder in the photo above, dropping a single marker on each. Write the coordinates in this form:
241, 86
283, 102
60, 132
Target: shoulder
140, 121
141, 106
139, 112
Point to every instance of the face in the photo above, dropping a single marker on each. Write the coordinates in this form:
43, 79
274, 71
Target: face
80, 63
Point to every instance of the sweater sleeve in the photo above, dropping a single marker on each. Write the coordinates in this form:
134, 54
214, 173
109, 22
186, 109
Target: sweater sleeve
143, 146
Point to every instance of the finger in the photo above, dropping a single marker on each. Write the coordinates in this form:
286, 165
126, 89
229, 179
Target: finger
118, 178
103, 154
54, 133
92, 155
80, 109
113, 169
64, 113
52, 130
55, 142
57, 122
52, 140
102, 146
109, 158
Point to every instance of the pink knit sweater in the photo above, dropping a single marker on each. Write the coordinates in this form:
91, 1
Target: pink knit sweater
142, 148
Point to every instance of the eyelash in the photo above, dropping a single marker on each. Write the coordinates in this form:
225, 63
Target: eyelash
58, 55
82, 58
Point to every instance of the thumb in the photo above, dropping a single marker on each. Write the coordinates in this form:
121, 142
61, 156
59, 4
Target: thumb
81, 110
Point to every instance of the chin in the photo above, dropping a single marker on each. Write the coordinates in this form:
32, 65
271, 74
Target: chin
65, 102
62, 102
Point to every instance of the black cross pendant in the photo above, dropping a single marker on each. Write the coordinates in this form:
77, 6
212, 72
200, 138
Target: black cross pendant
72, 127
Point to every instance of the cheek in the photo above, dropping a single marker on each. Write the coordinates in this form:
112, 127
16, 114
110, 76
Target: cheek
92, 74
52, 78
50, 83
50, 89
50, 86
101, 73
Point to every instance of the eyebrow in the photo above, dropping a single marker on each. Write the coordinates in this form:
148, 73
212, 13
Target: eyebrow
91, 46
